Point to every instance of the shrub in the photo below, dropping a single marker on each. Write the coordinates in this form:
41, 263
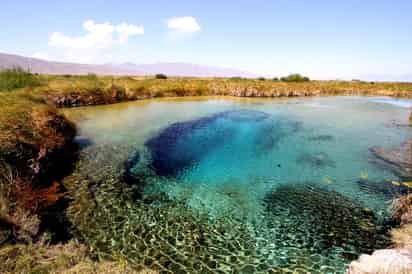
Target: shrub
236, 78
91, 77
21, 203
295, 78
261, 78
17, 78
275, 79
160, 76
118, 92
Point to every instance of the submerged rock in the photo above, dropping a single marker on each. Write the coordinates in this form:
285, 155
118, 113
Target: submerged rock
328, 219
394, 261
398, 159
388, 189
317, 160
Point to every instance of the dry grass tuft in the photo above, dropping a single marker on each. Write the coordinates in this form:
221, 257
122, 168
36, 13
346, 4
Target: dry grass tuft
402, 209
20, 204
402, 237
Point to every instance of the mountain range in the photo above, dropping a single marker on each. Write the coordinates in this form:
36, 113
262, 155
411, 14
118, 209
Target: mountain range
36, 65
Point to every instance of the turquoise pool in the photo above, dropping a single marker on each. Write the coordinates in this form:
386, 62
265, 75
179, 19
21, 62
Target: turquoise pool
240, 185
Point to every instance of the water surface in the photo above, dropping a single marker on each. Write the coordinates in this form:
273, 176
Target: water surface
251, 185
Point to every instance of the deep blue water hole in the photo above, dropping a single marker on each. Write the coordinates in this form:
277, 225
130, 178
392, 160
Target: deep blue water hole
236, 137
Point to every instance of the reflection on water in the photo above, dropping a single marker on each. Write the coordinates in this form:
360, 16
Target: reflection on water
237, 185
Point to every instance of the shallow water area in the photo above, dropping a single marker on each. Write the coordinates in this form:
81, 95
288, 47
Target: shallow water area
248, 185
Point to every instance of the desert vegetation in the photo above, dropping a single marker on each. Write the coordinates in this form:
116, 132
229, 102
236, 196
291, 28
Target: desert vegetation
16, 78
160, 76
295, 78
69, 91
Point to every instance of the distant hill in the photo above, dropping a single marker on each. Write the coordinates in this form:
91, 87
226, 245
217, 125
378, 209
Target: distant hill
172, 69
47, 67
184, 69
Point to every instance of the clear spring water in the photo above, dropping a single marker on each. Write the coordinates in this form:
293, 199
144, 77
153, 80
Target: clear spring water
292, 180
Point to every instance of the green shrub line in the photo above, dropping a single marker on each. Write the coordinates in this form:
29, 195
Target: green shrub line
295, 78
17, 78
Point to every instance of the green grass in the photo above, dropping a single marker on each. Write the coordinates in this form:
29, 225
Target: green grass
17, 78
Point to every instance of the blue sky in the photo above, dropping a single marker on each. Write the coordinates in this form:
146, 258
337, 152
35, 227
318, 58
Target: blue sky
320, 38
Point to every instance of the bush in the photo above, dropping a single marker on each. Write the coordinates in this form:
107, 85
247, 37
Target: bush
275, 79
236, 78
21, 204
17, 78
91, 77
295, 78
160, 76
261, 78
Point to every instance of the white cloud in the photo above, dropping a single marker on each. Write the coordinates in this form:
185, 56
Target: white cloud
184, 24
125, 30
97, 36
98, 40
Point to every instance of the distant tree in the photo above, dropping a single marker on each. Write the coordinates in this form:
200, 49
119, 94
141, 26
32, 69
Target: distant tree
160, 76
295, 78
261, 78
275, 79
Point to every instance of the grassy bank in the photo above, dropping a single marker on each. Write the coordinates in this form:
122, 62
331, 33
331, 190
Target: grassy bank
71, 91
36, 150
88, 90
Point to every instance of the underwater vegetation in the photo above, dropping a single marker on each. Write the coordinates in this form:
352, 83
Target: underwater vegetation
326, 219
321, 138
302, 227
168, 237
